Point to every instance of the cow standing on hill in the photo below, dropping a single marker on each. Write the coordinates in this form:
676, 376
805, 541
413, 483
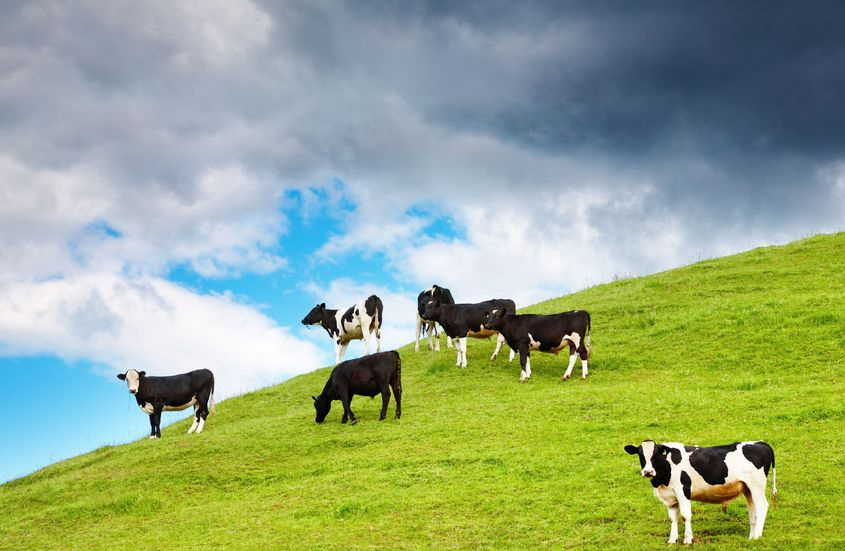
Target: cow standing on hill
546, 333
444, 296
357, 322
367, 376
460, 321
681, 474
173, 393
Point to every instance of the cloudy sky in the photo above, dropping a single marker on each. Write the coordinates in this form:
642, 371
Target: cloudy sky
181, 181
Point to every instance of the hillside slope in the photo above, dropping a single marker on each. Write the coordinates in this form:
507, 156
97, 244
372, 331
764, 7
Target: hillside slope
745, 347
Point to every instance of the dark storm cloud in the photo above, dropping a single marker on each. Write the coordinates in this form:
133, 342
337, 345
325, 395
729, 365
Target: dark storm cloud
726, 111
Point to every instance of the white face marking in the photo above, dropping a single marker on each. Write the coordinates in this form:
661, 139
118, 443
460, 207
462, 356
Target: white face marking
648, 451
133, 380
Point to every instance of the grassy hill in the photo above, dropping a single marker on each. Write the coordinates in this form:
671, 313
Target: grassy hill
745, 347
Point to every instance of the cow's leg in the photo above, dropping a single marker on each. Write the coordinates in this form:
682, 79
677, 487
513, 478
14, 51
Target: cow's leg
583, 354
458, 348
341, 350
685, 507
752, 514
463, 344
673, 517
202, 413
345, 418
500, 339
365, 336
761, 505
196, 419
448, 342
572, 358
524, 363
433, 329
419, 330
155, 421
346, 400
511, 355
396, 385
385, 401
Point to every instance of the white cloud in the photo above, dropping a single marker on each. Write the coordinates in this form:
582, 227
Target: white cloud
154, 325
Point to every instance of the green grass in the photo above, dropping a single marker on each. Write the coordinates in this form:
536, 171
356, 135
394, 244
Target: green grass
745, 347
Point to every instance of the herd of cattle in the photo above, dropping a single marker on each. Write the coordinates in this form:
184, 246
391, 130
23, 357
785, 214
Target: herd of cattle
679, 474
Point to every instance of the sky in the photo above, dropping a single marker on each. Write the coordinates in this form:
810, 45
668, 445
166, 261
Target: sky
180, 182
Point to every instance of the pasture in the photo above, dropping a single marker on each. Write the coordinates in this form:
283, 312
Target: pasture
738, 348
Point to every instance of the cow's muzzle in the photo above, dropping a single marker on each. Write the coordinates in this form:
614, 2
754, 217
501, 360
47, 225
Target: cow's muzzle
648, 474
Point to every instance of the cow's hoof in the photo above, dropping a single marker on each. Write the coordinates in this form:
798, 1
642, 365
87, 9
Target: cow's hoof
584, 378
153, 437
565, 378
397, 416
353, 422
343, 421
381, 418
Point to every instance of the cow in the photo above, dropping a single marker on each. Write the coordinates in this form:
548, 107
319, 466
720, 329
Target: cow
460, 321
356, 322
173, 393
441, 294
546, 333
366, 376
681, 474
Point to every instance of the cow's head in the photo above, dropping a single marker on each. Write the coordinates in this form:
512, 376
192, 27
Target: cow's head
431, 311
315, 316
322, 406
653, 459
493, 320
133, 379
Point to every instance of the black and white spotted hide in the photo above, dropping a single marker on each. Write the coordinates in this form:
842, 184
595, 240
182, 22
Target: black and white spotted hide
444, 296
358, 322
682, 474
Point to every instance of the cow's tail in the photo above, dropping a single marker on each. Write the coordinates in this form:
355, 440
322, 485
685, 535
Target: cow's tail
774, 479
211, 408
587, 341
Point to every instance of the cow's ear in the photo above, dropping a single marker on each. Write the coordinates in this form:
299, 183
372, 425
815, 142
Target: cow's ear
322, 306
632, 450
314, 398
662, 450
121, 376
142, 373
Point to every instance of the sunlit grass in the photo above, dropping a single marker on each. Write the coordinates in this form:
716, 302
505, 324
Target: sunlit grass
746, 347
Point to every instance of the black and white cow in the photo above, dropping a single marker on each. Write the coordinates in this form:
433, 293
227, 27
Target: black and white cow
460, 321
681, 474
172, 393
366, 376
444, 296
357, 322
546, 333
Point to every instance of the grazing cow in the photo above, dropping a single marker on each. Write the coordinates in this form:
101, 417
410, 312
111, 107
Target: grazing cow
546, 333
366, 376
681, 474
460, 321
357, 322
173, 393
441, 294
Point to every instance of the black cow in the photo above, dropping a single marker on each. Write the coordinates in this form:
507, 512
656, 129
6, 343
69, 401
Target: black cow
460, 321
173, 393
356, 322
366, 376
546, 333
681, 474
444, 296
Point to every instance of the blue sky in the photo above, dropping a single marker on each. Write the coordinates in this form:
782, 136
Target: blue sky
180, 183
